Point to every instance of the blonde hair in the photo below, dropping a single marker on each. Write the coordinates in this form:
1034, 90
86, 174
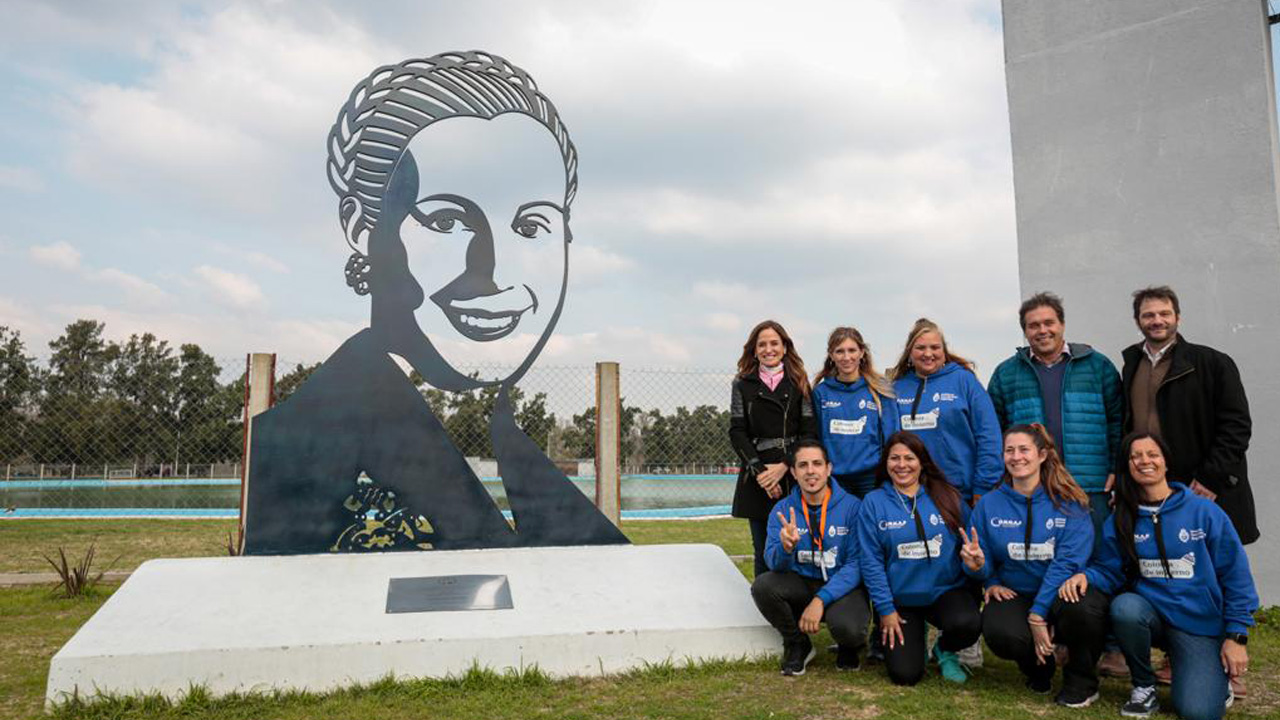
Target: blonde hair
877, 383
903, 367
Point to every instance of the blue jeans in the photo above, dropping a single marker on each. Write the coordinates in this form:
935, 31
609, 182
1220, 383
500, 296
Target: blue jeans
1199, 687
1099, 511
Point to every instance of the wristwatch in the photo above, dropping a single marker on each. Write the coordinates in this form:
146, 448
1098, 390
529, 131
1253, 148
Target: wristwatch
1238, 638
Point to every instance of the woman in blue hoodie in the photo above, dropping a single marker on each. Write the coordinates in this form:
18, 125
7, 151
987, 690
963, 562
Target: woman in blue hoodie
855, 411
1184, 585
940, 399
1029, 536
908, 534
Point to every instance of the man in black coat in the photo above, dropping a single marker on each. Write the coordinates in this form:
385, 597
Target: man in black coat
1191, 395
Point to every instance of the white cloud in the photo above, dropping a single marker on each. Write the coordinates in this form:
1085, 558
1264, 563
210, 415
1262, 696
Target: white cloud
132, 285
22, 179
724, 322
267, 262
231, 289
60, 255
728, 294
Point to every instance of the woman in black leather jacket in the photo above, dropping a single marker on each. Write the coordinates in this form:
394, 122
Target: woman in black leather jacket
769, 410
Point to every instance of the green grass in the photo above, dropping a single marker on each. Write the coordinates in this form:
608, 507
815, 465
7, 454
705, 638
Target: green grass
34, 625
132, 540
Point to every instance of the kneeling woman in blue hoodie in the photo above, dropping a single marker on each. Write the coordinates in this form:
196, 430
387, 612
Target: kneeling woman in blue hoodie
1029, 536
812, 554
908, 534
1190, 588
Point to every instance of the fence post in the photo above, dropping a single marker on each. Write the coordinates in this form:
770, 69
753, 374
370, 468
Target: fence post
609, 441
259, 387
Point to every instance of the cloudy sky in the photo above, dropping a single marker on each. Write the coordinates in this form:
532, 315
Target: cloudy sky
840, 163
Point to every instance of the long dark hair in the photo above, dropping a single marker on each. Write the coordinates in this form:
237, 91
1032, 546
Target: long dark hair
792, 364
943, 493
1054, 477
1129, 497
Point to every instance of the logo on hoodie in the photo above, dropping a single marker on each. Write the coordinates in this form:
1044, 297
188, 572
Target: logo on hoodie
934, 519
1052, 523
1005, 523
1039, 551
916, 550
848, 427
922, 421
1182, 568
862, 404
830, 404
1186, 535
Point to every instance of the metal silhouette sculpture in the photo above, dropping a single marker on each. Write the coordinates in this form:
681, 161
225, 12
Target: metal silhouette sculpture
454, 175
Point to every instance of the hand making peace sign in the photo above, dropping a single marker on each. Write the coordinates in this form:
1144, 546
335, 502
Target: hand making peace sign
790, 533
971, 552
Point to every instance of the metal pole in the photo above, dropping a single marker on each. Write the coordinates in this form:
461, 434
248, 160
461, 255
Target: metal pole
609, 441
259, 388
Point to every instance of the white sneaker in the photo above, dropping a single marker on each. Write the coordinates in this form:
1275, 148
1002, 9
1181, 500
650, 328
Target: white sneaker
971, 657
1142, 703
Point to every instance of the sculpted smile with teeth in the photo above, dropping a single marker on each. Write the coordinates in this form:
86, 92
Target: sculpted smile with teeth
487, 323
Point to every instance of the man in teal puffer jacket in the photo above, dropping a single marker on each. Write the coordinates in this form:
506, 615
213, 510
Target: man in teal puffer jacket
1071, 389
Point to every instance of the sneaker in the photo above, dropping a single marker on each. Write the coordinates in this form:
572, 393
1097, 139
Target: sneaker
1238, 690
875, 651
971, 657
1142, 703
796, 656
847, 659
1039, 685
1113, 664
1231, 698
949, 665
1077, 698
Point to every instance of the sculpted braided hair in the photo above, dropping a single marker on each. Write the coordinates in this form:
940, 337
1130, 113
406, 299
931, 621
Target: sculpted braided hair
386, 109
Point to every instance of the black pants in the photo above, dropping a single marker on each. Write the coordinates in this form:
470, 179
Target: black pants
1081, 626
759, 532
955, 614
783, 596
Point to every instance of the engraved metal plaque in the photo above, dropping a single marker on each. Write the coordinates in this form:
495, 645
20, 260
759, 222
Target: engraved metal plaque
449, 592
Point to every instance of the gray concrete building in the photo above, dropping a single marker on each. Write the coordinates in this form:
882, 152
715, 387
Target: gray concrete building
1145, 152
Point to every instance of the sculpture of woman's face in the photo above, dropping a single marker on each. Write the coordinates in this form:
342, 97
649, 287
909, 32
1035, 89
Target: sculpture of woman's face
477, 207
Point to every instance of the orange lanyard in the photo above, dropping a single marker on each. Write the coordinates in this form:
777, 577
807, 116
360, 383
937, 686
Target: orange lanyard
816, 539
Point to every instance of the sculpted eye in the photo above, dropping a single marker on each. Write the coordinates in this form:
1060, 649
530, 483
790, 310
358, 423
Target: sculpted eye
445, 221
531, 225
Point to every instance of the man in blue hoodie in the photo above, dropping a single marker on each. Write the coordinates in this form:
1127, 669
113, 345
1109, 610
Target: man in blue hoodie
812, 554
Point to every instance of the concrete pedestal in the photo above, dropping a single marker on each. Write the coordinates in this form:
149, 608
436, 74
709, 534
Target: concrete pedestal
319, 622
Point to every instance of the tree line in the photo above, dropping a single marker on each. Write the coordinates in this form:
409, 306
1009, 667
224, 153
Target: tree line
143, 401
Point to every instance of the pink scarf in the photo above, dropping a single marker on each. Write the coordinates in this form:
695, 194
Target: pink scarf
771, 379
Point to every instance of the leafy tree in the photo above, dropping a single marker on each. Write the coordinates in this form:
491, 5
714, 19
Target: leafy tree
579, 438
209, 427
72, 426
142, 405
689, 437
291, 381
19, 388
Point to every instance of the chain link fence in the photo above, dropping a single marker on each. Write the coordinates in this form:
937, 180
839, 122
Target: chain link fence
145, 429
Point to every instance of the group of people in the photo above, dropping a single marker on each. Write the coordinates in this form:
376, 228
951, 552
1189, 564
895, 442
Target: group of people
1067, 513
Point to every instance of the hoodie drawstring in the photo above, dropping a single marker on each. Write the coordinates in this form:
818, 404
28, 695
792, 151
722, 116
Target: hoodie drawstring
1026, 537
1164, 557
915, 404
